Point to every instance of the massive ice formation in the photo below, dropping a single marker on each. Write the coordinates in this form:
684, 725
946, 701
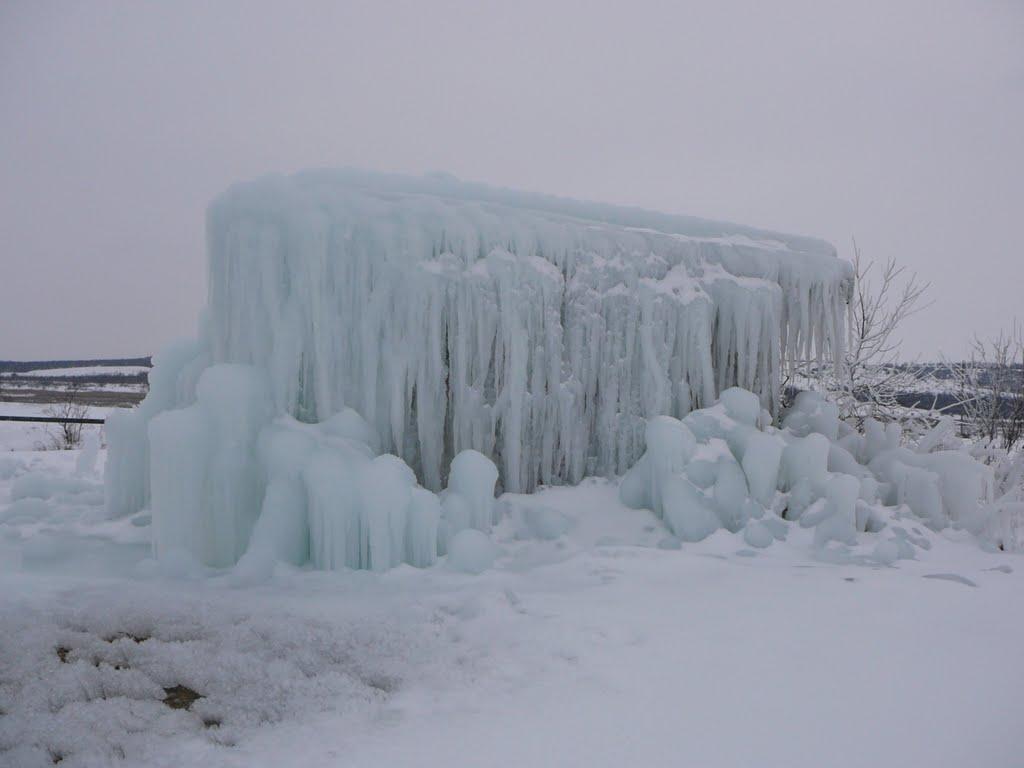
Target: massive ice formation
726, 467
538, 331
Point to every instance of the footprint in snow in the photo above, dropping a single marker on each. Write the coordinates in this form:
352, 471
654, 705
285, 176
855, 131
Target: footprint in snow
951, 577
1001, 569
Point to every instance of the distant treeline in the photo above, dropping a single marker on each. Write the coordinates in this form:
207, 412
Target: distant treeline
948, 403
21, 366
89, 378
945, 371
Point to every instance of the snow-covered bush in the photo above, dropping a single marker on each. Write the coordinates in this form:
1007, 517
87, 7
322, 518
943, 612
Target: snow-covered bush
869, 379
1006, 517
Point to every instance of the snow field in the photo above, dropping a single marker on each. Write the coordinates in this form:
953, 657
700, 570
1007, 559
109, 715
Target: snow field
585, 643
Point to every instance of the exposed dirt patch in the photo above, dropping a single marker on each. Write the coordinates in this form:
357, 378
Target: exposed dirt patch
93, 397
128, 636
180, 697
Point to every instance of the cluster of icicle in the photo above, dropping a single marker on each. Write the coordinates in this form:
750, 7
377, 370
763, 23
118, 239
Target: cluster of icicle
727, 467
228, 477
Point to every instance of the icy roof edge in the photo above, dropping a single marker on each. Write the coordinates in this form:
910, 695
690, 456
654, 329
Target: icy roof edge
444, 185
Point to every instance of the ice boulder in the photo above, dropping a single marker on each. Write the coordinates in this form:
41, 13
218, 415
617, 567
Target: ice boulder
471, 551
533, 520
324, 495
761, 462
85, 464
688, 512
811, 412
758, 535
730, 495
670, 445
742, 406
473, 477
456, 515
805, 459
424, 518
206, 482
726, 466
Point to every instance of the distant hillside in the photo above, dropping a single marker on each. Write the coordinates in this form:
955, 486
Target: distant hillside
21, 366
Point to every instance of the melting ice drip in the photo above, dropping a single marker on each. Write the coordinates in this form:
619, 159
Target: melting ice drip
538, 331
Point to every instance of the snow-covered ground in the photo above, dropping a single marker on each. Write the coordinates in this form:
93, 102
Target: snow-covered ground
28, 436
600, 646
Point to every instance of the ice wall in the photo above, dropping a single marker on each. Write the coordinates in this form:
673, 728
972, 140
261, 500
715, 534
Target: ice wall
541, 332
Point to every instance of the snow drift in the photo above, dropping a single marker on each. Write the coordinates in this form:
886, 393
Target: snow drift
541, 332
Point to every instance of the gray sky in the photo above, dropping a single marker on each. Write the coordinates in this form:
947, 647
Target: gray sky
899, 122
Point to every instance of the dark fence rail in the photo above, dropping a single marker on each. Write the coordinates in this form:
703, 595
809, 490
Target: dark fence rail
52, 419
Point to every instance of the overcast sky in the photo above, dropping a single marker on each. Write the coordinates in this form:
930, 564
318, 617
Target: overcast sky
899, 122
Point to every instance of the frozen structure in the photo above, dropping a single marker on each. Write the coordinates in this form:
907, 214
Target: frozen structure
446, 317
726, 467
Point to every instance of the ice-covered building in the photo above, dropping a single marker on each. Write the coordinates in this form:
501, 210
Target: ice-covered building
540, 331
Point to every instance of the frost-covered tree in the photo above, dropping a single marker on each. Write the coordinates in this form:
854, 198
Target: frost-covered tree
68, 430
867, 382
991, 389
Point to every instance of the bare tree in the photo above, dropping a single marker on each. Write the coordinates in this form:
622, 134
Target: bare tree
991, 389
867, 382
68, 431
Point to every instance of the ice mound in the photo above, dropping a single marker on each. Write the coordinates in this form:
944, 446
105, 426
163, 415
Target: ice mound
230, 479
726, 467
471, 551
539, 331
